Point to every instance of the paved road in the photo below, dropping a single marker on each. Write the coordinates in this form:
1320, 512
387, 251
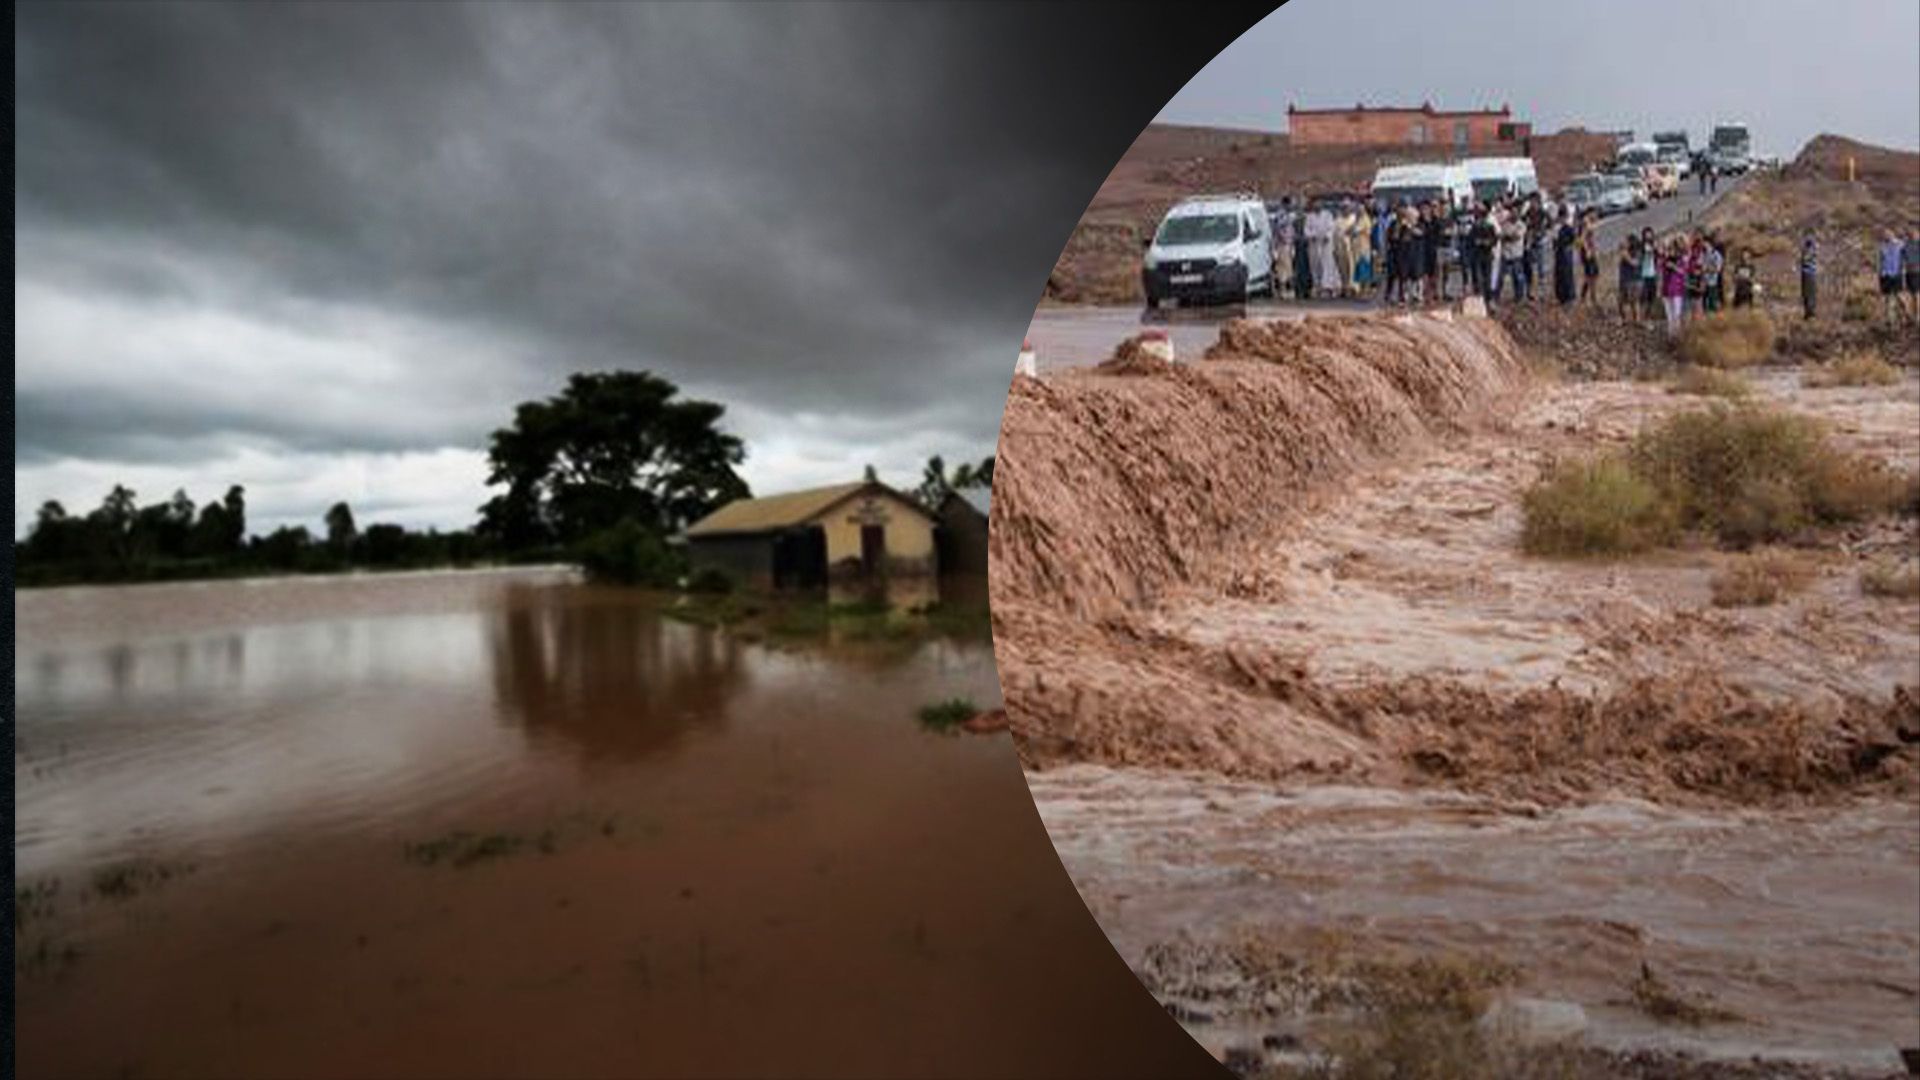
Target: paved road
1076, 336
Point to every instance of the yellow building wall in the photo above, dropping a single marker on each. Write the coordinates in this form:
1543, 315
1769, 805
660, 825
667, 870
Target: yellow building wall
909, 533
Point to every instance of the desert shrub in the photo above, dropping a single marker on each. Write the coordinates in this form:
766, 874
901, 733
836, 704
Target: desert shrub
1760, 579
1598, 507
1743, 475
1890, 579
630, 554
1748, 475
1860, 299
1855, 369
1729, 339
1710, 382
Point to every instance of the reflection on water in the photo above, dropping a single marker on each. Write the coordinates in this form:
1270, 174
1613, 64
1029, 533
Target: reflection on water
686, 832
583, 666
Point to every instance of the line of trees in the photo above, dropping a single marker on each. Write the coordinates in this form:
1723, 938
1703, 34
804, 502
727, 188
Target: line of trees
601, 474
121, 541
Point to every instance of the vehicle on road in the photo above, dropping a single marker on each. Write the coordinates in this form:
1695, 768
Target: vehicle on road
1583, 193
1675, 148
1398, 184
1617, 195
1210, 249
1663, 179
1636, 182
1495, 178
1730, 148
1636, 155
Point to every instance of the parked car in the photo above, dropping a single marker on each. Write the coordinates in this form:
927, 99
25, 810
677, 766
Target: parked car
1210, 249
1663, 179
1583, 193
1636, 183
1617, 195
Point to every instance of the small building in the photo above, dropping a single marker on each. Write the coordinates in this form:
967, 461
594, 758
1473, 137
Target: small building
1421, 125
805, 539
961, 538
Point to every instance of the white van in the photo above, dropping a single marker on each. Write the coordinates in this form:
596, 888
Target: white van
1397, 184
1637, 154
1210, 249
1496, 178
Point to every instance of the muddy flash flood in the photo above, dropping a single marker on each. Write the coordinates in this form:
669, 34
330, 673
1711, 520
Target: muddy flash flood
504, 823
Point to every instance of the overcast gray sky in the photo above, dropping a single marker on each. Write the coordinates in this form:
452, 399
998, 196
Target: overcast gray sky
1790, 68
322, 250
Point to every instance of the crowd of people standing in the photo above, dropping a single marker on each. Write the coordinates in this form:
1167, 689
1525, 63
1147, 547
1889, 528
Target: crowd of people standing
1429, 252
1519, 249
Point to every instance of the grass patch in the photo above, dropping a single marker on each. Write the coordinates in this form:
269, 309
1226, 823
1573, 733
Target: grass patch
129, 878
1730, 339
947, 716
1596, 507
1865, 368
1892, 580
1672, 1004
1760, 579
462, 849
1710, 382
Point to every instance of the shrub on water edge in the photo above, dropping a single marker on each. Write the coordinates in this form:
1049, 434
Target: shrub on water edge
630, 554
1865, 368
1890, 579
1710, 382
947, 715
1744, 475
1597, 507
1760, 579
1728, 339
710, 580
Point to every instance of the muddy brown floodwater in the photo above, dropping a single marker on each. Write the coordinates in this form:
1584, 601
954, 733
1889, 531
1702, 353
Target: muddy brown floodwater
503, 823
1301, 714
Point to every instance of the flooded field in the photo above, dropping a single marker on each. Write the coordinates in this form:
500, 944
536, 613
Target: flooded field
503, 823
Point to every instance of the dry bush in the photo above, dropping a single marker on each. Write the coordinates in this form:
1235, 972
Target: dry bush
1710, 382
1860, 299
1748, 475
1863, 368
1598, 507
1729, 339
1760, 579
1890, 579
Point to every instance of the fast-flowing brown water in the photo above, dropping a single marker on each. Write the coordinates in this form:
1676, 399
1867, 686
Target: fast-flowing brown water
495, 824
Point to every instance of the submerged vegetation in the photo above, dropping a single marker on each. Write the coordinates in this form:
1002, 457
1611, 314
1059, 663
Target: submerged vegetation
802, 617
947, 716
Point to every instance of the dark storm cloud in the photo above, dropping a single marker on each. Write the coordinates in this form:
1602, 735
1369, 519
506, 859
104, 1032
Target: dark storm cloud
375, 226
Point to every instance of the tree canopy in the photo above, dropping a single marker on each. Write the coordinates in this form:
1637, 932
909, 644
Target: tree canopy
612, 447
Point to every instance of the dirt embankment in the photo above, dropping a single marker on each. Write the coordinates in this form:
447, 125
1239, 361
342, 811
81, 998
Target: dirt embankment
1168, 162
1243, 566
1770, 214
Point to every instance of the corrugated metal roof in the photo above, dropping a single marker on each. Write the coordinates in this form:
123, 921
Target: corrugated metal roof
783, 511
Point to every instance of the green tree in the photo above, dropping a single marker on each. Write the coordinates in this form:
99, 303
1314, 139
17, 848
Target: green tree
340, 529
936, 482
612, 447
